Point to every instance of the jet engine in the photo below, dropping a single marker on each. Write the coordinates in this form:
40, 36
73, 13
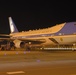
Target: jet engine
19, 44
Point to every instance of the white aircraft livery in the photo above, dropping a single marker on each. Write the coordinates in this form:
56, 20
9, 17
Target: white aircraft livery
60, 34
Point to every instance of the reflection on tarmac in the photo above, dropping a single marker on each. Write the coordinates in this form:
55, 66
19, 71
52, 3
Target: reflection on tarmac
38, 63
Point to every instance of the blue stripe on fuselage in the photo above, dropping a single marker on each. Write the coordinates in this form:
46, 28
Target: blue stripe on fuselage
69, 28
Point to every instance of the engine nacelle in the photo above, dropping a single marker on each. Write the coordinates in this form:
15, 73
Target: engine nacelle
19, 44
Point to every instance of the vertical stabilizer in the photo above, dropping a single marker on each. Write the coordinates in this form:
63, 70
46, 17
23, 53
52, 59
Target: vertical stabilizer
13, 27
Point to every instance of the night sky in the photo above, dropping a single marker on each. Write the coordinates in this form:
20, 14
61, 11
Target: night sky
29, 15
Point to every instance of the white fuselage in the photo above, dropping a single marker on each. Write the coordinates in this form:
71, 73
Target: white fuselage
43, 34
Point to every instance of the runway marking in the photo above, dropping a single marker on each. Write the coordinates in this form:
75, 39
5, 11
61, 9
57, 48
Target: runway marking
16, 72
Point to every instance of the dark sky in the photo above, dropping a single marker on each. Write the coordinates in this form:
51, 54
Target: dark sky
29, 15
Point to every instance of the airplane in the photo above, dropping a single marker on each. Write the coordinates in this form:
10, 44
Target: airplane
60, 34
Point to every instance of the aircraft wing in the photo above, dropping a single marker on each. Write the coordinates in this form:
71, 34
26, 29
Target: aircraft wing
33, 40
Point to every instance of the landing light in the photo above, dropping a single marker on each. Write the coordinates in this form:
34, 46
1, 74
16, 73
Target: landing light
29, 42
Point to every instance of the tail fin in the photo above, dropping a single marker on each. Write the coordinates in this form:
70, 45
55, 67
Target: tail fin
13, 27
